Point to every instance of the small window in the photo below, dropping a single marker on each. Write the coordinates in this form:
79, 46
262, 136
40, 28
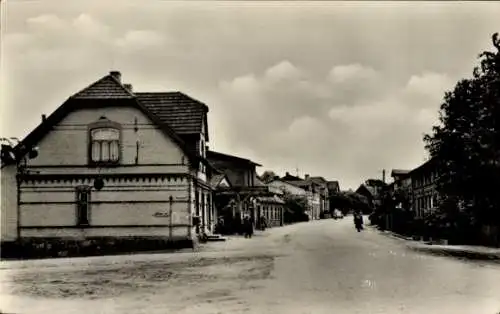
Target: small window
104, 142
105, 145
83, 206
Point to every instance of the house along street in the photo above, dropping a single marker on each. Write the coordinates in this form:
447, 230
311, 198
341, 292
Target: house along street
318, 267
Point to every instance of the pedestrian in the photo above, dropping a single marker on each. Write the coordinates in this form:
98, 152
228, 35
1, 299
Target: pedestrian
358, 221
263, 223
247, 227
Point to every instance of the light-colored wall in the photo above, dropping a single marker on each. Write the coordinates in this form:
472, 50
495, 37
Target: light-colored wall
8, 204
67, 143
118, 203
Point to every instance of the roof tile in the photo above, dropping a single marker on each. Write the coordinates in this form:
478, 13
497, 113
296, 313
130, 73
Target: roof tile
181, 112
105, 88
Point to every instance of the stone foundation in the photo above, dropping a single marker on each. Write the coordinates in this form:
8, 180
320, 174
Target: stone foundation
37, 248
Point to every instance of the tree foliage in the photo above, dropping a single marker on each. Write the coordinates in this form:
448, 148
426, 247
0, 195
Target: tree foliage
296, 208
348, 200
466, 144
267, 176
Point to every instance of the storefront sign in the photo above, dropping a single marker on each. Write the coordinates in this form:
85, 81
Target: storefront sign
161, 214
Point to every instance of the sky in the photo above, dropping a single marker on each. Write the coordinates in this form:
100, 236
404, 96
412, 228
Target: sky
332, 89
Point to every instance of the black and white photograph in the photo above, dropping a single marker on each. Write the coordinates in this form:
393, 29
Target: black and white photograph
213, 157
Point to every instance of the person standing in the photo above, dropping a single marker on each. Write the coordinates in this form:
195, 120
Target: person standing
248, 227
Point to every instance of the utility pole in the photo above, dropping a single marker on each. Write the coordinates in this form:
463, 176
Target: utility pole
383, 175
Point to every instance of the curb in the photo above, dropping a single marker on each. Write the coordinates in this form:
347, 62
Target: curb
467, 254
391, 234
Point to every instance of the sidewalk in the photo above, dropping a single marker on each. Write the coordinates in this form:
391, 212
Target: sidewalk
471, 252
463, 251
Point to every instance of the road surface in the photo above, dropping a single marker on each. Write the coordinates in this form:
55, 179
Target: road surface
317, 267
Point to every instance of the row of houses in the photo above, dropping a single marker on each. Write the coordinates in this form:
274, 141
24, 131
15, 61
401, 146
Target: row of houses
419, 184
113, 163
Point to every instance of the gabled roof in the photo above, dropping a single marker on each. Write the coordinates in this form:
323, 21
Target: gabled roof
318, 180
333, 185
108, 87
399, 172
286, 182
220, 156
216, 180
289, 177
370, 189
184, 114
115, 95
257, 181
300, 183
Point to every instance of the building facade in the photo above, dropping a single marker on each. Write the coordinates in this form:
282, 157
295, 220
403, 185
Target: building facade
246, 195
152, 169
312, 194
423, 188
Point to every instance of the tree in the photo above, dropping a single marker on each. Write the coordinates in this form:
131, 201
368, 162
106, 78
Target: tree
267, 176
349, 200
295, 208
466, 144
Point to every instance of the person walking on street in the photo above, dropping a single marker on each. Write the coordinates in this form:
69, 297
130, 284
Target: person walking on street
358, 221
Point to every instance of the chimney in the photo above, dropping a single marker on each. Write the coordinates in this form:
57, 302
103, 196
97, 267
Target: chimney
44, 118
307, 176
287, 173
128, 87
117, 75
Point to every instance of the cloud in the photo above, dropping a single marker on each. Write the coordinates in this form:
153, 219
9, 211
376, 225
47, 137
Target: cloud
304, 88
140, 39
283, 71
45, 22
350, 72
322, 124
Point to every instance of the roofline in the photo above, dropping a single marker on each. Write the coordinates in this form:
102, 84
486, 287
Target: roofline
425, 164
177, 91
132, 95
234, 157
204, 106
68, 106
284, 181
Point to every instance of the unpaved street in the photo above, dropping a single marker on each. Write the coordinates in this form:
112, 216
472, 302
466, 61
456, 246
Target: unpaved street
317, 267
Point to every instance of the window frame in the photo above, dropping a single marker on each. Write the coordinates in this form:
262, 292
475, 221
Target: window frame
104, 123
78, 212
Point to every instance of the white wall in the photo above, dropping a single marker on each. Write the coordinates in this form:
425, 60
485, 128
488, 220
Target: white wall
67, 143
64, 151
8, 204
51, 204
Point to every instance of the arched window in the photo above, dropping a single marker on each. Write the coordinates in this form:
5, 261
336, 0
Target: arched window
104, 143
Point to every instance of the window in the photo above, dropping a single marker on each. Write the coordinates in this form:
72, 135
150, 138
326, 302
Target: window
105, 145
83, 206
104, 142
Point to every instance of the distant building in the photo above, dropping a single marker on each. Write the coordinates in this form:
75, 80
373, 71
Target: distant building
333, 187
246, 195
402, 179
423, 187
313, 193
322, 183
